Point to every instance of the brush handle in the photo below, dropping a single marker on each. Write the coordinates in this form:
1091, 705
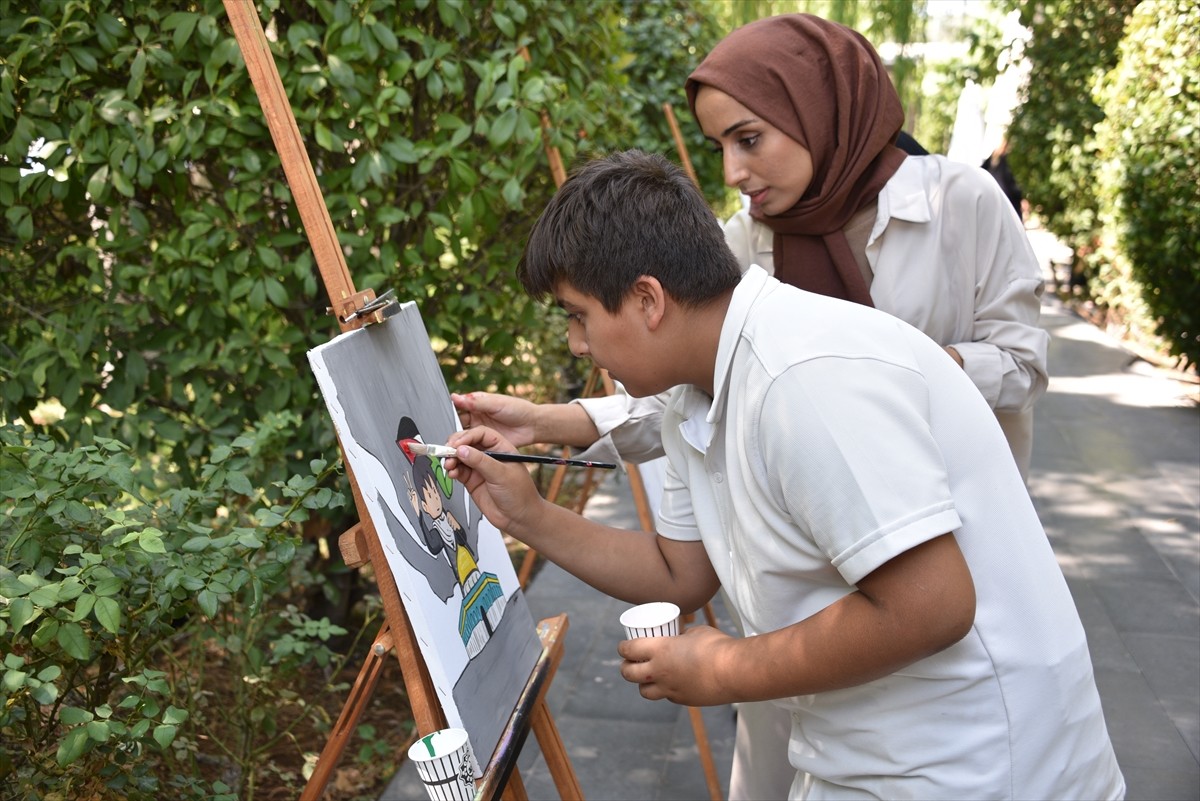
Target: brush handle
502, 456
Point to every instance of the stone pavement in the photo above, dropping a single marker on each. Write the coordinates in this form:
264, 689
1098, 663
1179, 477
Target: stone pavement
1116, 480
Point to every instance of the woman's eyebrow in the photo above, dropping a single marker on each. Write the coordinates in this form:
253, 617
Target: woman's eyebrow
737, 125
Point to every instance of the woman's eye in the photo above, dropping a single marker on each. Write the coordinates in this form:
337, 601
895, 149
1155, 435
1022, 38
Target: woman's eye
748, 141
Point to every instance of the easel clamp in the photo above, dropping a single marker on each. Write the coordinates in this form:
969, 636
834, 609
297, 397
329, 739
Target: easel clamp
365, 308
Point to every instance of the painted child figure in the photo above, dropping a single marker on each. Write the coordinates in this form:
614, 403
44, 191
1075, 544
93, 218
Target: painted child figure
836, 472
483, 602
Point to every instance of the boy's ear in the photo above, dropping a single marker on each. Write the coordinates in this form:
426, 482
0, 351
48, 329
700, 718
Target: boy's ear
651, 298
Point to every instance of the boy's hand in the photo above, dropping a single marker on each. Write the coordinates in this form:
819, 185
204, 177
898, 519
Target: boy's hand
683, 669
504, 492
512, 418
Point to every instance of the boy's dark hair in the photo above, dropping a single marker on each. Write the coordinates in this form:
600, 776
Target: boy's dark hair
624, 216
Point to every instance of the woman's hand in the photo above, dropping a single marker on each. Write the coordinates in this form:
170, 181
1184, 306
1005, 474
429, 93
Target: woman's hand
512, 418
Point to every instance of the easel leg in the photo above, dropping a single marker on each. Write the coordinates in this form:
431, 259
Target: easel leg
706, 757
360, 696
555, 753
514, 788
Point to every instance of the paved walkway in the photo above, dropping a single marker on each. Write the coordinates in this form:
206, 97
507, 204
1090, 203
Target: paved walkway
1116, 480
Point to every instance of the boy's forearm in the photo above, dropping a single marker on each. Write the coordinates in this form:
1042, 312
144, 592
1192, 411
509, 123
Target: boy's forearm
924, 604
625, 564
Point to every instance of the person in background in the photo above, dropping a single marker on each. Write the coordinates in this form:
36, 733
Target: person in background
845, 483
996, 165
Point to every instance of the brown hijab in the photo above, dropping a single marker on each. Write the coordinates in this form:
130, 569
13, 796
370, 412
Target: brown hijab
823, 85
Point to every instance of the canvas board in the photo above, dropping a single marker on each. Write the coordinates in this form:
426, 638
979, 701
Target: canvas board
384, 390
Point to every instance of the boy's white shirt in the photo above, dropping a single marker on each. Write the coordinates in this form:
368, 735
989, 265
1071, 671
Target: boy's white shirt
990, 315
837, 438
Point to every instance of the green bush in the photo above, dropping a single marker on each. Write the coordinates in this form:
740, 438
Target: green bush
1054, 154
117, 598
1150, 177
154, 277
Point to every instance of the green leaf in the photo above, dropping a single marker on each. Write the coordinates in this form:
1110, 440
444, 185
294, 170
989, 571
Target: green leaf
208, 602
20, 612
150, 541
98, 730
72, 746
83, 607
196, 544
324, 136
13, 680
164, 735
73, 715
45, 633
174, 715
45, 595
72, 640
183, 23
502, 129
109, 614
340, 73
239, 483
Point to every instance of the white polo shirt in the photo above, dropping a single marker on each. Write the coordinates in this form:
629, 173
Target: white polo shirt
839, 437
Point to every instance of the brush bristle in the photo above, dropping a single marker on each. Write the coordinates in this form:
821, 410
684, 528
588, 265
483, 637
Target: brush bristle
436, 451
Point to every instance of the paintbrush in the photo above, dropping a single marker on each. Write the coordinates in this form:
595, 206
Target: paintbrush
444, 451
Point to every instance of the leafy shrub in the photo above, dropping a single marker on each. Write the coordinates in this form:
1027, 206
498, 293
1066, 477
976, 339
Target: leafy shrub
155, 277
1053, 151
115, 594
1150, 188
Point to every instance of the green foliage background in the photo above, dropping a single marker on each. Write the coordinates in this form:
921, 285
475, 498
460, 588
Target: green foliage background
1105, 149
1053, 149
1149, 190
156, 280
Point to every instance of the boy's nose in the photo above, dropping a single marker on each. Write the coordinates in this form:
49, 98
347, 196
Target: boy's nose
577, 344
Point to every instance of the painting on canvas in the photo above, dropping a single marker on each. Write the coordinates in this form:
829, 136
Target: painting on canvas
385, 391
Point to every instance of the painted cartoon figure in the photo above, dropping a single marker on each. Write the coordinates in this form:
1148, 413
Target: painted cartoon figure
428, 490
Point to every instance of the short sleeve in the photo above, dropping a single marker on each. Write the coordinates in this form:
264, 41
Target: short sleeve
848, 450
676, 515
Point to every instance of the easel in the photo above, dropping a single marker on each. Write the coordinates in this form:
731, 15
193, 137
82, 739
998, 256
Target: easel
361, 543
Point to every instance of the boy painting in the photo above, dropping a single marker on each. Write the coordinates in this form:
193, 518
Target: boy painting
841, 478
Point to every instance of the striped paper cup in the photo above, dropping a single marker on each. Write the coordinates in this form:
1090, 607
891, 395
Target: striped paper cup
658, 619
445, 764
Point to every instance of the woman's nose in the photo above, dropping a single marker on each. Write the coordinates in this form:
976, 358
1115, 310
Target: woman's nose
735, 173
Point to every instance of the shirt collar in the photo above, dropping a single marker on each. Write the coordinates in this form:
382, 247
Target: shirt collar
699, 413
905, 196
754, 282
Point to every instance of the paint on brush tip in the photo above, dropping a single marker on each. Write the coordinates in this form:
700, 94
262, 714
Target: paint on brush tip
436, 451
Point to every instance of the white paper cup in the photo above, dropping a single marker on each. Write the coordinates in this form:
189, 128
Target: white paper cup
658, 619
445, 764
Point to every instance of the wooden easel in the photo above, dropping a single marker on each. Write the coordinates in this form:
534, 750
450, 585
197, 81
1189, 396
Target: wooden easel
361, 543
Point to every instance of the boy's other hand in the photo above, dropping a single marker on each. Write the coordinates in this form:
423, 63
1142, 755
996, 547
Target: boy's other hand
683, 669
512, 418
504, 491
